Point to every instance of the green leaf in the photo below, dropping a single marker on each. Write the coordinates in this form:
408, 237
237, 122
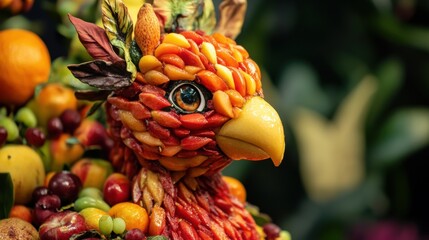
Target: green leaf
191, 15
94, 108
159, 237
391, 28
389, 79
72, 141
6, 195
406, 131
299, 88
119, 29
260, 218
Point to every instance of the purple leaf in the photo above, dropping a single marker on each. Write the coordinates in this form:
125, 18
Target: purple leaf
95, 40
102, 74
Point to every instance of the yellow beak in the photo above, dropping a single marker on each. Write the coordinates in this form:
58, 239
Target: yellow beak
256, 134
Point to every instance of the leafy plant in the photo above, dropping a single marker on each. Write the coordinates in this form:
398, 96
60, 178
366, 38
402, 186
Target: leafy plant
6, 195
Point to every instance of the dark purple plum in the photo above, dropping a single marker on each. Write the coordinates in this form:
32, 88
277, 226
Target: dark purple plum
66, 185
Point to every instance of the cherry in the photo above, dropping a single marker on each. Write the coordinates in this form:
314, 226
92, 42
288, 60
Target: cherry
271, 230
35, 137
40, 192
54, 127
70, 119
50, 202
66, 185
134, 234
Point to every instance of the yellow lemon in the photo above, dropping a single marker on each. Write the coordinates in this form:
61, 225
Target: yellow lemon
92, 215
26, 169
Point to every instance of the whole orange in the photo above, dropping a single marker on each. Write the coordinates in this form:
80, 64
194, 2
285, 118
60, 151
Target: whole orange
5, 3
236, 188
52, 100
134, 215
24, 63
21, 211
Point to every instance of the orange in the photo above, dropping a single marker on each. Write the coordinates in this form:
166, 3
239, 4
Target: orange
5, 3
21, 211
134, 215
236, 188
48, 177
24, 63
52, 100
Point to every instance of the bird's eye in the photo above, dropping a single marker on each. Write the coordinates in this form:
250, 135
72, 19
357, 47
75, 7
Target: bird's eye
188, 97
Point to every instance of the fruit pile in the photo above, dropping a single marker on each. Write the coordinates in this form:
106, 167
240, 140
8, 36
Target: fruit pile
62, 186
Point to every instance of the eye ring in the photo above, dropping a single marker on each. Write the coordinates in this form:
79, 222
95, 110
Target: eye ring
188, 97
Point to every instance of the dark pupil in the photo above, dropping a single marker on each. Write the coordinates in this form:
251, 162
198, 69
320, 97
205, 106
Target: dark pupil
187, 98
188, 95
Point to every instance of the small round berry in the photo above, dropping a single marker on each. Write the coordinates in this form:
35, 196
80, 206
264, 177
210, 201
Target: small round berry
35, 137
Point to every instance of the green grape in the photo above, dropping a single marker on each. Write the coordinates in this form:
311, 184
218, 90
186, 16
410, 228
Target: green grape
27, 117
118, 225
11, 128
105, 224
86, 201
91, 192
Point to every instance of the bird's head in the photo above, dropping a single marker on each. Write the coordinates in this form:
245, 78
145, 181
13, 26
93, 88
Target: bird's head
196, 103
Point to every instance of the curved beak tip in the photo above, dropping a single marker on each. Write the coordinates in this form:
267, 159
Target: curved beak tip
256, 134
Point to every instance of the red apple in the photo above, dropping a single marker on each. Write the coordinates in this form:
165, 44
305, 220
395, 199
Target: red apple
62, 225
117, 188
93, 134
92, 172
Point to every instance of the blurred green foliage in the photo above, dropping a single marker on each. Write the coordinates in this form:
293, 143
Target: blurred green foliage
313, 55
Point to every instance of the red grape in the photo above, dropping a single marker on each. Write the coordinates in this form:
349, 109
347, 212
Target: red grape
35, 137
70, 119
45, 207
54, 127
3, 136
40, 192
66, 185
271, 230
135, 234
51, 202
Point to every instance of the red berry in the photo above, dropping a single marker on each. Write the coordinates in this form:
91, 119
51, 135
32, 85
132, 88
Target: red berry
70, 119
40, 192
271, 230
54, 127
66, 185
51, 202
135, 234
35, 137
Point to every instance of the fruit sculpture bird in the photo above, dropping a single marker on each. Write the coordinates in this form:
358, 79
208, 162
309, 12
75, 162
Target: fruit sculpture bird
181, 105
